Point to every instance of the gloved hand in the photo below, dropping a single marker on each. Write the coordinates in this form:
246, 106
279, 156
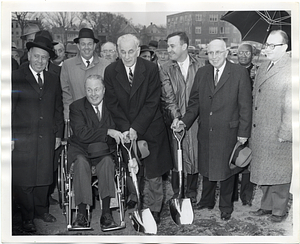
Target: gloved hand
133, 166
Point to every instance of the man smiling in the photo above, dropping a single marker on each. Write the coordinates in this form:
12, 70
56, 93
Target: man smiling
75, 70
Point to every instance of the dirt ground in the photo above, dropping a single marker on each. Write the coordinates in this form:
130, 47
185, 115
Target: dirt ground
206, 222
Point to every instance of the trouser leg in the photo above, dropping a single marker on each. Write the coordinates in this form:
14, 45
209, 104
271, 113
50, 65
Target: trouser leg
153, 197
280, 198
24, 198
82, 181
40, 197
235, 196
208, 192
246, 188
266, 199
191, 185
226, 192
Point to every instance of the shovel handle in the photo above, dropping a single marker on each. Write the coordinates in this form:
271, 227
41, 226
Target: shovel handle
179, 136
128, 149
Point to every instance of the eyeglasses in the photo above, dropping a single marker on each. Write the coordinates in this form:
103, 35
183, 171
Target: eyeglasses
108, 51
246, 53
217, 53
271, 46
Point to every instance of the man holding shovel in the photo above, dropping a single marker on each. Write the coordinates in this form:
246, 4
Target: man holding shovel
221, 97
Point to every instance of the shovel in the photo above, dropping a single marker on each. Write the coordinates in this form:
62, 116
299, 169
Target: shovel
181, 208
142, 220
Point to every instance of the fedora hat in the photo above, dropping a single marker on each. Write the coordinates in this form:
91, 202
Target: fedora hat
46, 34
240, 156
143, 150
86, 33
145, 48
71, 48
162, 46
98, 149
153, 43
43, 43
29, 29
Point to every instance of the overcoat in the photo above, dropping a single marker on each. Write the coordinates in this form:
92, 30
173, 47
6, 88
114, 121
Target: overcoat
87, 128
272, 119
175, 96
73, 75
138, 107
224, 113
37, 119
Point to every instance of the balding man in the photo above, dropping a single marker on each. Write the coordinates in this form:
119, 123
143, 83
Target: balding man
221, 97
109, 51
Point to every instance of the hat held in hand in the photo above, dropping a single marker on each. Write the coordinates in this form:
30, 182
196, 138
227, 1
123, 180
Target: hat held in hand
240, 156
143, 150
98, 149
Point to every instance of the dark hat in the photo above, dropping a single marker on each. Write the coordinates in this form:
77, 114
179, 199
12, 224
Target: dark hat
98, 149
30, 29
153, 43
46, 34
71, 48
145, 48
240, 156
43, 43
86, 33
15, 48
162, 45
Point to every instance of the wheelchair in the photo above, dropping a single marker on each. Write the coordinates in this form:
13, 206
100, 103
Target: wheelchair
66, 188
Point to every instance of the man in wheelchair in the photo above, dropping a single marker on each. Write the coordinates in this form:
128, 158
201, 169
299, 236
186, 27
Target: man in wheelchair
89, 148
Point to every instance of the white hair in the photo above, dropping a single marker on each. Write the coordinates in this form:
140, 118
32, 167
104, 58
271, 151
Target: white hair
128, 37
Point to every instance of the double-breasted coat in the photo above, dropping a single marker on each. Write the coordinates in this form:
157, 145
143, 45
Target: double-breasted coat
224, 113
175, 96
272, 119
138, 107
73, 75
37, 119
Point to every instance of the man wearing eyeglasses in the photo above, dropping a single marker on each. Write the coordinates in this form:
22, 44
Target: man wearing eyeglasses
271, 136
109, 51
245, 55
221, 100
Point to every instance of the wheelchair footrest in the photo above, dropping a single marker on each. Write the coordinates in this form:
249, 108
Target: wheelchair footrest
121, 226
77, 228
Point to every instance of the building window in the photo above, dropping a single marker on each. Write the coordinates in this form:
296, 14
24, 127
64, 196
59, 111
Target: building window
227, 30
197, 41
213, 30
17, 26
198, 17
222, 30
198, 29
213, 18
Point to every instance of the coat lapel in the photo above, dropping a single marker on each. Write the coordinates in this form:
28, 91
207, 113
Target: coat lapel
122, 77
31, 80
91, 112
210, 78
138, 76
224, 77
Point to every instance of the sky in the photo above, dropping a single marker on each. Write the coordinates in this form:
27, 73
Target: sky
145, 18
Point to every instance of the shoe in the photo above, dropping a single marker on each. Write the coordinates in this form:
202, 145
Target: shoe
53, 201
46, 217
131, 204
107, 221
249, 203
260, 212
80, 221
156, 216
225, 216
200, 207
28, 226
193, 200
277, 219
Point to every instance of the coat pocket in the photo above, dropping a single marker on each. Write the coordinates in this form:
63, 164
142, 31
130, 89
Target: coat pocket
234, 124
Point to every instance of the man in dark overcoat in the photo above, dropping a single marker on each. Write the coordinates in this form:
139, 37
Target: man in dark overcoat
221, 97
37, 128
133, 91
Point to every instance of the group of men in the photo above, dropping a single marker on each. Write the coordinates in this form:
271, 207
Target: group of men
121, 96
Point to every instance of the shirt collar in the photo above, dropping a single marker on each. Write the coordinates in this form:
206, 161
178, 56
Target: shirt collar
35, 73
132, 68
84, 60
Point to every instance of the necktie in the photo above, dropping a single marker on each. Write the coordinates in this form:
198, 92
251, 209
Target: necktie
40, 81
130, 77
270, 66
98, 113
182, 69
216, 77
88, 63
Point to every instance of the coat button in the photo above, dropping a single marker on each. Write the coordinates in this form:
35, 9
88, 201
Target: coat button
259, 90
40, 99
41, 117
210, 97
41, 136
210, 113
255, 108
211, 129
254, 125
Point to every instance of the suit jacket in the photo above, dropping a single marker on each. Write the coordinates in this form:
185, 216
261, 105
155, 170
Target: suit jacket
87, 128
272, 119
73, 75
224, 113
37, 120
138, 107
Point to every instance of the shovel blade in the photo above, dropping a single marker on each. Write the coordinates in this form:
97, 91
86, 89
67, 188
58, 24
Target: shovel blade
181, 211
145, 222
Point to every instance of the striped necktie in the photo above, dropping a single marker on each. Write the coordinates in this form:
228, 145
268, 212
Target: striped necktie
270, 66
98, 113
130, 77
40, 81
216, 77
